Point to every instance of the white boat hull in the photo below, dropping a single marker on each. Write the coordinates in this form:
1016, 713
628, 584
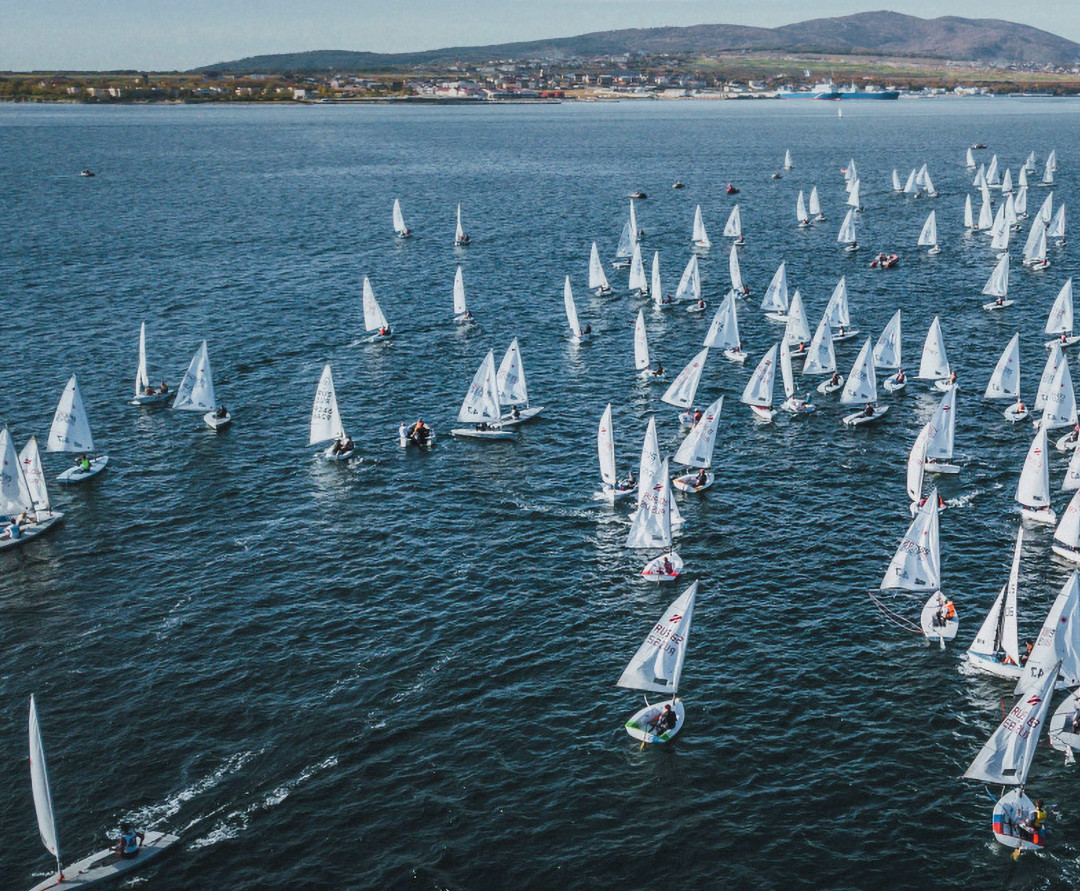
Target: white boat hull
1067, 443
638, 725
1060, 729
1068, 553
848, 334
763, 413
215, 423
779, 317
152, 398
76, 475
654, 569
489, 433
688, 482
995, 305
945, 385
697, 308
735, 356
330, 455
892, 385
826, 387
107, 864
525, 414
993, 665
798, 406
858, 419
930, 466
1043, 515
929, 620
1014, 415
1010, 811
31, 531
1069, 341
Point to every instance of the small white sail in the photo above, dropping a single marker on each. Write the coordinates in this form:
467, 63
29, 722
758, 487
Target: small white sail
649, 465
853, 196
801, 215
969, 217
651, 526
1060, 320
657, 665
786, 373
399, 220
655, 286
943, 428
986, 214
992, 178
1056, 229
460, 306
690, 283
970, 160
597, 278
1006, 182
846, 234
1048, 170
887, 350
1020, 199
999, 233
861, 385
700, 237
998, 283
928, 235
836, 310
934, 364
641, 343
759, 389
1068, 530
723, 333
325, 419
776, 295
910, 186
481, 403
634, 230
374, 319
697, 449
39, 782
510, 381
815, 203
1060, 408
1035, 246
70, 431
916, 465
1005, 381
928, 183
734, 270
1058, 643
605, 447
683, 389
787, 160
916, 566
637, 280
459, 231
820, 355
626, 243
142, 381
1054, 360
1072, 475
1046, 211
733, 227
897, 186
998, 631
796, 329
196, 390
571, 310
15, 494
1033, 490
34, 476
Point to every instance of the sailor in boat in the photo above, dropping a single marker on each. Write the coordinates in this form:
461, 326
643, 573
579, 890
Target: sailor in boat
83, 463
13, 530
222, 412
697, 416
659, 370
586, 330
627, 483
946, 611
776, 174
163, 389
868, 412
663, 721
342, 446
899, 378
701, 479
999, 301
419, 433
731, 190
952, 374
1020, 408
466, 316
465, 239
1073, 436
700, 303
834, 381
384, 331
1028, 646
666, 568
131, 839
1031, 827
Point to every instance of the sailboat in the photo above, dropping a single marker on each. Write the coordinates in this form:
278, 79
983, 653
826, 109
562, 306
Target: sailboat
196, 392
923, 179
326, 424
144, 393
374, 318
992, 178
861, 389
1056, 229
23, 493
462, 316
934, 364
792, 403
928, 235
815, 205
838, 314
1067, 534
846, 234
627, 241
605, 447
738, 286
697, 450
887, 355
1056, 652
939, 446
598, 282
641, 351
1033, 490
1048, 170
699, 237
969, 217
481, 405
656, 289
910, 186
400, 229
821, 358
636, 281
853, 196
512, 390
1060, 320
689, 285
897, 186
758, 393
1005, 381
775, 301
1071, 482
651, 527
916, 472
98, 867
1035, 246
986, 214
995, 649
577, 333
970, 161
796, 329
1059, 409
683, 389
733, 227
649, 469
70, 432
723, 333
801, 216
460, 238
787, 160
657, 667
1006, 182
998, 285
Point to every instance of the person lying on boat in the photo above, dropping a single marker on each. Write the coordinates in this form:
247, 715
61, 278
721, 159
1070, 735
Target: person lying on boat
663, 721
419, 432
83, 463
701, 479
868, 412
659, 371
222, 412
131, 839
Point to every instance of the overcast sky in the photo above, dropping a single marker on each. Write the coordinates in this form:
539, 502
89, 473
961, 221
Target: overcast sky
154, 35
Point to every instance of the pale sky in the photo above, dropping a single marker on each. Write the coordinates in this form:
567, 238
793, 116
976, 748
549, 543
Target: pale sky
154, 35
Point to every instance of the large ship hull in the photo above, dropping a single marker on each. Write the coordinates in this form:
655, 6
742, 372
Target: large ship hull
876, 94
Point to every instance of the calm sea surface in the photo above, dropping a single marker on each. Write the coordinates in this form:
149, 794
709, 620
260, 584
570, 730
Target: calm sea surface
401, 673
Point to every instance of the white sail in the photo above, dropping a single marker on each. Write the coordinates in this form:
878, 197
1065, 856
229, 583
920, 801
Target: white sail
34, 476
998, 283
39, 782
1035, 246
325, 419
460, 306
969, 217
1068, 530
786, 373
196, 390
1020, 198
992, 178
853, 197
481, 402
776, 295
510, 380
1056, 229
373, 314
1005, 381
1058, 643
897, 186
887, 350
928, 235
637, 280
626, 242
723, 333
800, 209
690, 283
1072, 474
934, 364
861, 385
1006, 756
641, 343
759, 389
634, 230
999, 233
836, 310
787, 160
734, 270
1060, 320
846, 234
597, 278
986, 214
1048, 170
15, 495
655, 287
1010, 212
1046, 211
916, 465
970, 160
70, 431
1033, 489
733, 227
683, 389
910, 186
657, 665
571, 309
697, 449
649, 465
459, 230
796, 330
651, 526
1055, 359
943, 428
1060, 408
815, 203
998, 631
605, 447
700, 237
142, 380
916, 566
399, 219
820, 355
928, 183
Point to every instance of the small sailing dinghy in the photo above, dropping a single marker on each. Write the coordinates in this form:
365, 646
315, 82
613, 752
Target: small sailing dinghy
196, 392
683, 389
1033, 490
838, 314
916, 472
577, 333
648, 470
801, 216
400, 229
1067, 534
733, 226
821, 359
1060, 320
723, 333
1057, 648
99, 867
796, 405
928, 235
796, 329
887, 355
998, 285
598, 282
995, 649
657, 667
70, 432
1059, 409
847, 234
23, 494
144, 393
939, 445
651, 527
481, 405
326, 424
934, 364
1005, 381
1035, 246
1049, 375
775, 302
758, 393
641, 351
656, 289
605, 447
697, 450
512, 389
1064, 727
462, 316
738, 286
689, 285
815, 206
374, 318
861, 389
699, 236
787, 160
460, 238
636, 281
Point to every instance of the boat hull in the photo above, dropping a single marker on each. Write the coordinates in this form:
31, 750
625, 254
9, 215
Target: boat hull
1068, 553
152, 398
106, 865
930, 623
74, 475
688, 482
490, 433
827, 386
31, 531
638, 725
525, 414
938, 467
858, 419
1010, 811
993, 665
654, 569
1044, 515
215, 423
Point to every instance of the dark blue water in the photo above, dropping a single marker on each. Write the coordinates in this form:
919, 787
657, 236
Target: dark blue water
402, 672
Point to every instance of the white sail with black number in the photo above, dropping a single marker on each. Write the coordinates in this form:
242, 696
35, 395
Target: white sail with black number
733, 227
776, 295
34, 476
690, 283
510, 380
723, 333
697, 449
326, 422
1033, 490
887, 350
998, 283
15, 494
683, 389
916, 566
1060, 408
651, 526
916, 465
1058, 643
943, 428
481, 404
928, 235
796, 330
998, 631
1050, 370
759, 389
657, 665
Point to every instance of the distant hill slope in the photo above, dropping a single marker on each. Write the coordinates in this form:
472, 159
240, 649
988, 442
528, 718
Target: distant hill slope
865, 33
